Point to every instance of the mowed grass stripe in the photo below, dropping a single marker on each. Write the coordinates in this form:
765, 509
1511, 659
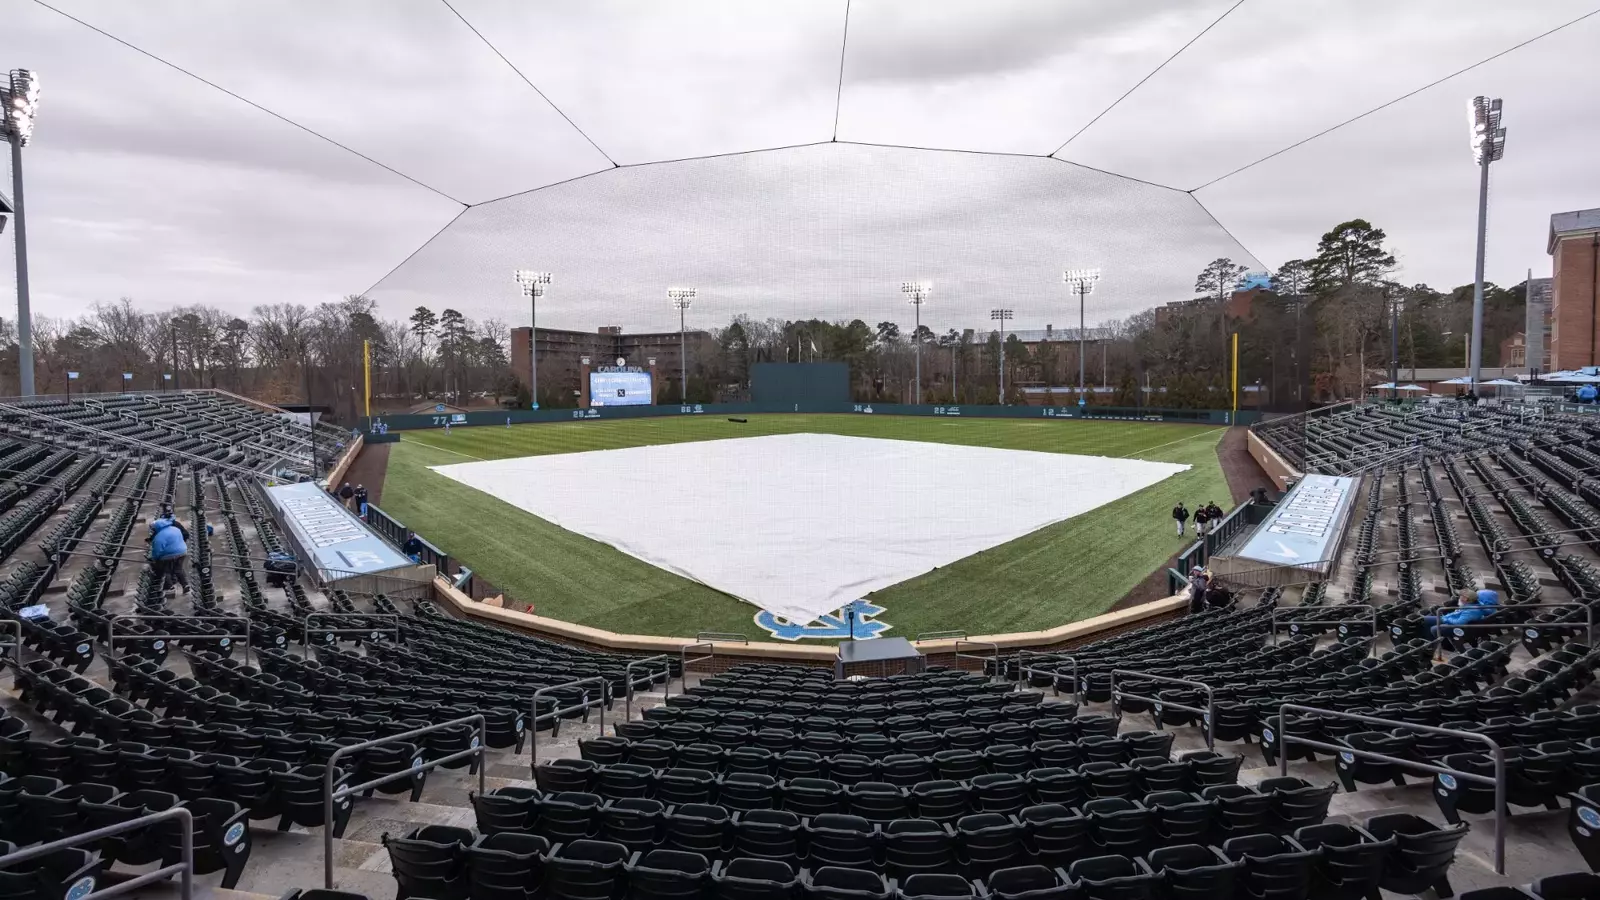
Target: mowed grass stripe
1065, 572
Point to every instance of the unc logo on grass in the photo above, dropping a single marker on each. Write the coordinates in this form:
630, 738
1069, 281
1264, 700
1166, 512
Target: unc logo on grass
830, 627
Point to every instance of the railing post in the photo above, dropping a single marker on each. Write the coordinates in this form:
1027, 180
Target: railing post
684, 660
184, 869
995, 656
1209, 713
479, 748
627, 677
1497, 752
555, 714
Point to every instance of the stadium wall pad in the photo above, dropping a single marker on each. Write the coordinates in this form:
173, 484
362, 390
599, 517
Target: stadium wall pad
1276, 467
936, 652
527, 416
337, 473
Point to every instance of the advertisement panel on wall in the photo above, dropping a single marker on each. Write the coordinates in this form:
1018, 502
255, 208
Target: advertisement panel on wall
619, 388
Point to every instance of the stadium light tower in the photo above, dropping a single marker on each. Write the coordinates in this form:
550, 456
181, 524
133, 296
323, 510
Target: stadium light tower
681, 298
1001, 316
1488, 146
21, 103
533, 285
918, 291
1081, 282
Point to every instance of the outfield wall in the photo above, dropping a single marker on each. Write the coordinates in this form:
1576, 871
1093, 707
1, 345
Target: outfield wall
1218, 417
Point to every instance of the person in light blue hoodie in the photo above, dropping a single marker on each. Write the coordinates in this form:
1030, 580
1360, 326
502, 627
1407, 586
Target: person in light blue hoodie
1475, 606
169, 551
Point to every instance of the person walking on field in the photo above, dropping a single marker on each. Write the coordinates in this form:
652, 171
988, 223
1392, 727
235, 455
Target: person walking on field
1200, 519
1180, 514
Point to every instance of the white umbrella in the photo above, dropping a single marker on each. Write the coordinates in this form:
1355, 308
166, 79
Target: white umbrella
1386, 386
1412, 387
1503, 382
1460, 379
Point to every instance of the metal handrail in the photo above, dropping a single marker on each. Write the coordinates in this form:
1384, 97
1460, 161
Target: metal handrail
480, 745
990, 644
939, 636
1025, 672
184, 868
1294, 625
305, 625
224, 639
554, 714
15, 648
1210, 712
1499, 753
684, 660
726, 637
627, 677
1503, 545
1487, 623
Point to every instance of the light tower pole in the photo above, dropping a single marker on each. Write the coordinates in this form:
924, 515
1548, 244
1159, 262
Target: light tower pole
1002, 316
1081, 282
918, 291
533, 285
681, 298
1488, 146
20, 102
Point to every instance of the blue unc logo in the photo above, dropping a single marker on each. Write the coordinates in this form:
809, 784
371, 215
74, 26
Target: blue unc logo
857, 619
80, 889
1589, 816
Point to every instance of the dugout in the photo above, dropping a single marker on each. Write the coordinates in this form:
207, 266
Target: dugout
804, 383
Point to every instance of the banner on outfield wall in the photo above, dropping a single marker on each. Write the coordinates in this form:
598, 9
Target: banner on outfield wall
329, 537
1219, 417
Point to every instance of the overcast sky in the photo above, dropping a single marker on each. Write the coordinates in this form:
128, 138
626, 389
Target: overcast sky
144, 182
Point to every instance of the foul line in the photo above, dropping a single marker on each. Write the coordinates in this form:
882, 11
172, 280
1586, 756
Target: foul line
1170, 443
445, 449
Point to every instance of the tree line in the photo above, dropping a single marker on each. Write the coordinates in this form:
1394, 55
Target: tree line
1317, 330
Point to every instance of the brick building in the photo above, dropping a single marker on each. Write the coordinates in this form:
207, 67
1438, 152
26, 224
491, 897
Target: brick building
1574, 247
1240, 305
561, 354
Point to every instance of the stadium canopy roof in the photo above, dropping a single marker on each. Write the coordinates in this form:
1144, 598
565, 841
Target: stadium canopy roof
300, 149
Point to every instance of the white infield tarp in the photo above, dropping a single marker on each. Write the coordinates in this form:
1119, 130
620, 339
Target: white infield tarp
802, 524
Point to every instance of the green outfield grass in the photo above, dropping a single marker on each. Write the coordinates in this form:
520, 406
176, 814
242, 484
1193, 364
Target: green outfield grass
1065, 572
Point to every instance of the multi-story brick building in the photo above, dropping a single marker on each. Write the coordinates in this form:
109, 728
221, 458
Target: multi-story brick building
1574, 247
561, 354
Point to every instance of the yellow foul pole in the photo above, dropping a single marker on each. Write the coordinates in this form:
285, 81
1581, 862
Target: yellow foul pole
1236, 372
366, 375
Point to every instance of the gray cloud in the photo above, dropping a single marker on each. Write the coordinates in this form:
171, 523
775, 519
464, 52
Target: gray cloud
145, 183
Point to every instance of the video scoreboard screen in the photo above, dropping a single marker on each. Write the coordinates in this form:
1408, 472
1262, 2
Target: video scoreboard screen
619, 388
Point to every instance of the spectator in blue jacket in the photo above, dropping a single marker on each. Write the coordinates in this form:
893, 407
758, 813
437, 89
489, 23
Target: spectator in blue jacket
1475, 606
169, 552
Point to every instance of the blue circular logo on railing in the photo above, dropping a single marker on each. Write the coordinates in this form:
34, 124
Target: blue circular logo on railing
1589, 816
235, 832
1267, 735
1532, 632
474, 744
374, 636
1457, 632
83, 649
1157, 706
416, 762
1447, 781
520, 723
1347, 758
279, 640
81, 888
160, 645
226, 642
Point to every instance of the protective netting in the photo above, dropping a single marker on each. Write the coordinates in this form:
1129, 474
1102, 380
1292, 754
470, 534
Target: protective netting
826, 232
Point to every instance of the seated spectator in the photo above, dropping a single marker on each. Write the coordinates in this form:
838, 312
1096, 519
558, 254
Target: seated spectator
1476, 605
